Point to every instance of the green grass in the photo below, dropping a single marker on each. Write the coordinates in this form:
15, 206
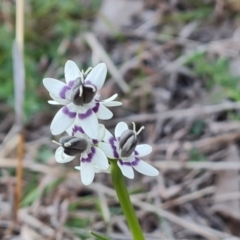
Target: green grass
189, 15
216, 72
47, 23
192, 15
31, 192
44, 154
78, 222
197, 128
196, 156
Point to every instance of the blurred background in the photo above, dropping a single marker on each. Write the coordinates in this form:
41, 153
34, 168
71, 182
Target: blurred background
176, 67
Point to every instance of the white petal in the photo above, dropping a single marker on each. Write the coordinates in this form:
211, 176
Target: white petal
145, 168
53, 102
107, 136
113, 97
57, 88
60, 100
98, 170
63, 119
61, 157
108, 150
70, 130
127, 170
120, 128
112, 104
103, 113
87, 119
54, 86
101, 132
87, 172
100, 159
97, 76
71, 71
143, 150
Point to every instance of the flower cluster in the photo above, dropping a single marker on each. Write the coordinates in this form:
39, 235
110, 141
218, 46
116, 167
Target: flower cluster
90, 141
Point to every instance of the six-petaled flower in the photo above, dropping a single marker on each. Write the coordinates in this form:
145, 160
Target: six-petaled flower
124, 148
92, 158
82, 106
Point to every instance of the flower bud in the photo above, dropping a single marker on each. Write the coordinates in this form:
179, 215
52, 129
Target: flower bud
81, 94
72, 145
128, 142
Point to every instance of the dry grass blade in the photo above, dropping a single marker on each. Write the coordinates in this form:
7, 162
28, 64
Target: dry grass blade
188, 197
213, 166
19, 83
179, 113
99, 51
19, 86
33, 222
204, 231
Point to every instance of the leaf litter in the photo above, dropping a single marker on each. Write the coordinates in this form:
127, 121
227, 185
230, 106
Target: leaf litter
173, 64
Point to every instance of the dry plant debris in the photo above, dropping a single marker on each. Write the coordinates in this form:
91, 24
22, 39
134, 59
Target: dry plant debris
175, 67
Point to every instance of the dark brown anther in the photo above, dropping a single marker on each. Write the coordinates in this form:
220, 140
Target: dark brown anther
72, 145
128, 142
75, 97
81, 94
88, 94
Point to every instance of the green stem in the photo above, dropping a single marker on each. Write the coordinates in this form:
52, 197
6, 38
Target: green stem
124, 199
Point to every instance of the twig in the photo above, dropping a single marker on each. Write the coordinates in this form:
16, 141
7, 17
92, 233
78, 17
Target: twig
180, 113
213, 166
188, 197
33, 222
99, 50
209, 143
162, 165
230, 196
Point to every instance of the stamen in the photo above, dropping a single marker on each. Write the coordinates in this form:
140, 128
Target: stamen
82, 78
88, 70
140, 130
134, 127
80, 91
97, 96
67, 144
90, 86
56, 142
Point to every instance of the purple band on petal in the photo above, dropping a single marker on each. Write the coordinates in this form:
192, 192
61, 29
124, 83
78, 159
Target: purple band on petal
114, 148
96, 107
83, 116
66, 88
77, 129
71, 83
124, 163
135, 162
68, 113
90, 156
136, 152
94, 141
